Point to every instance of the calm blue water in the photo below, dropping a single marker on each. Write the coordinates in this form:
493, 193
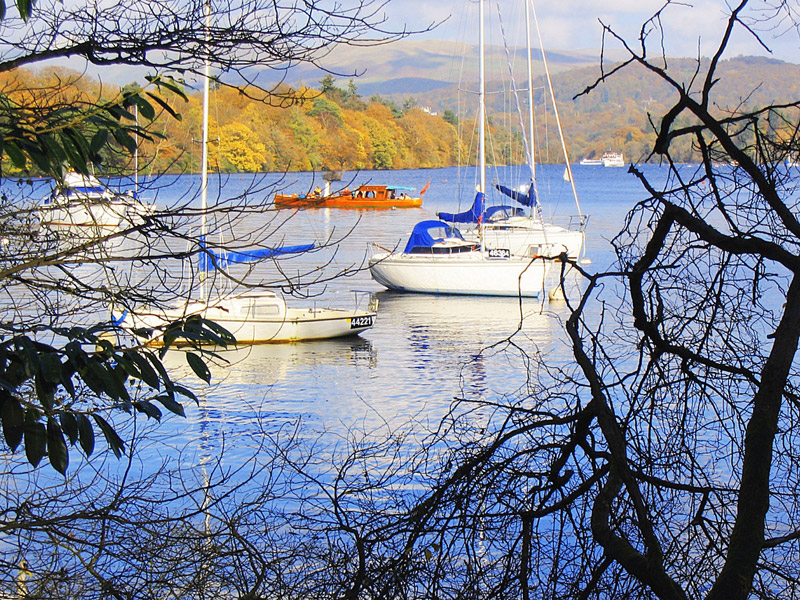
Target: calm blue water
423, 354
424, 351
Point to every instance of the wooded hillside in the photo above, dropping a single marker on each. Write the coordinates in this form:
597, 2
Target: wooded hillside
333, 127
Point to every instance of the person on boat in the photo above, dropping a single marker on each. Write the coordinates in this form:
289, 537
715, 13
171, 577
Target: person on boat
317, 191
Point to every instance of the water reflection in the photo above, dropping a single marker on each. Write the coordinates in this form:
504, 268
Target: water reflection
424, 354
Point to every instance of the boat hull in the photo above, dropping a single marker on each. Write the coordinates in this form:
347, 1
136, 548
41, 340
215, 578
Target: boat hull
298, 326
90, 213
345, 202
469, 273
262, 319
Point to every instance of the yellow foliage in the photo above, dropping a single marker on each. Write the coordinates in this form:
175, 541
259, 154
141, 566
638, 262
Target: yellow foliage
240, 150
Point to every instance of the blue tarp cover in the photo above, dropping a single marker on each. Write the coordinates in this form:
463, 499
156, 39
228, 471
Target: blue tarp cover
426, 233
470, 216
209, 260
526, 198
478, 210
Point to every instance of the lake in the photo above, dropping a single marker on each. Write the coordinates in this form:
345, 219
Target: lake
424, 352
284, 419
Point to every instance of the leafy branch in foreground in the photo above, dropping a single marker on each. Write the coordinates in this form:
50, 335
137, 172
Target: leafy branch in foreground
54, 397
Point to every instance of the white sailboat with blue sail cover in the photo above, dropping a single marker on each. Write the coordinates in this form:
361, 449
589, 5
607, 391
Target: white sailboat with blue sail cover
524, 231
252, 317
438, 260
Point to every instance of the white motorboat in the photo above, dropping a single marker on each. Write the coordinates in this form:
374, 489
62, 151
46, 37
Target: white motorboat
509, 227
81, 201
259, 318
613, 159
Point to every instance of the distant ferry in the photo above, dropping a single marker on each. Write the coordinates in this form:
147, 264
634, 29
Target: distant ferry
613, 159
592, 162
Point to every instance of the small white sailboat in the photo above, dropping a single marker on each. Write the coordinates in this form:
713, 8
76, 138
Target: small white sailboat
251, 317
81, 201
259, 318
508, 227
438, 260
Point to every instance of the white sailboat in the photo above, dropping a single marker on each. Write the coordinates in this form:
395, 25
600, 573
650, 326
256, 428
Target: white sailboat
253, 317
509, 227
438, 260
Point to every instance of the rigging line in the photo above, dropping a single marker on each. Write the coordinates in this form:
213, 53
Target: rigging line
555, 112
528, 149
515, 90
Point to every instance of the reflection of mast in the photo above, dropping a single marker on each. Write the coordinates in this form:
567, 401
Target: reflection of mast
482, 111
204, 153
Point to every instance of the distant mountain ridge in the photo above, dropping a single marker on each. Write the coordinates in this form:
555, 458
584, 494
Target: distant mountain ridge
424, 65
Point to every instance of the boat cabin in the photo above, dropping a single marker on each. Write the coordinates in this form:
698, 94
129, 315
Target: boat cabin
437, 237
381, 192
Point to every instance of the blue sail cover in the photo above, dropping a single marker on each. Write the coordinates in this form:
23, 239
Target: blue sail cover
526, 197
473, 215
210, 260
427, 233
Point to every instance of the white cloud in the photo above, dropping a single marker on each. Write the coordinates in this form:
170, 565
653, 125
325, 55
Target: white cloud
574, 24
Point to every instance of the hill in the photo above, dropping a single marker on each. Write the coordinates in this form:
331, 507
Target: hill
615, 115
424, 65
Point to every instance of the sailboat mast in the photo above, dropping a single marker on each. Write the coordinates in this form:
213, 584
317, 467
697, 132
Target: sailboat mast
482, 98
204, 142
531, 123
555, 112
136, 154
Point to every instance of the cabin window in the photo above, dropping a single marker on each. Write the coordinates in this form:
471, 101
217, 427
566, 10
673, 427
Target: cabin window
267, 311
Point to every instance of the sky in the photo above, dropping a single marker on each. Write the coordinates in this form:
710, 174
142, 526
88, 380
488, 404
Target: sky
574, 24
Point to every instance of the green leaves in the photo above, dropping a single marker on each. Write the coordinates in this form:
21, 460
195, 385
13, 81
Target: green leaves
25, 8
199, 366
51, 398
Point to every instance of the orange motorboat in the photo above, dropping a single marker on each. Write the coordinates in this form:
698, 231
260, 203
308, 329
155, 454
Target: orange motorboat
364, 196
